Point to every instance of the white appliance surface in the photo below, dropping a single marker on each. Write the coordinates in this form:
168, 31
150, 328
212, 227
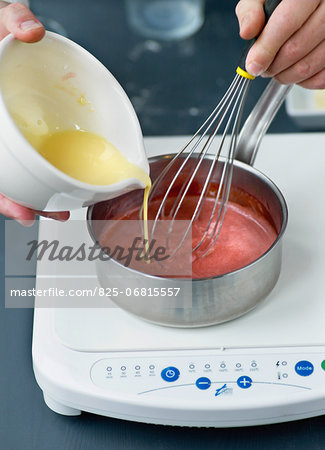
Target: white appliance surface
285, 329
293, 314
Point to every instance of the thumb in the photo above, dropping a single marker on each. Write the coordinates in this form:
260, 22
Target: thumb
17, 19
251, 18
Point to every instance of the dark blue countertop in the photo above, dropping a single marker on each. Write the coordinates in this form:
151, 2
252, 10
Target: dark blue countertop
173, 86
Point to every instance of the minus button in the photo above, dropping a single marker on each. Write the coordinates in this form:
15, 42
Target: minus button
203, 383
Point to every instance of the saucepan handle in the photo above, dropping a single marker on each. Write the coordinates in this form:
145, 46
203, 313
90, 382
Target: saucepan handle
259, 120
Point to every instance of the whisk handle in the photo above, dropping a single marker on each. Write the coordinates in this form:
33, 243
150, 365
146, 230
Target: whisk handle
269, 7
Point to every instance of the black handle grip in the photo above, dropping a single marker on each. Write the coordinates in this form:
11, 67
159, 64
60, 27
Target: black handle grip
269, 7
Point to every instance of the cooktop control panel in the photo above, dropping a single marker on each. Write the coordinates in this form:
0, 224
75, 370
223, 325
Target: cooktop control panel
211, 376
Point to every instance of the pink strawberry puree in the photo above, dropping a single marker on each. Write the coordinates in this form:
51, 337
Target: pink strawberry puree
244, 237
247, 233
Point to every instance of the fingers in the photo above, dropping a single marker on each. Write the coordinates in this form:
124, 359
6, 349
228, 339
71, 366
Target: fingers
251, 17
305, 68
62, 216
315, 82
26, 216
17, 19
304, 42
286, 20
23, 215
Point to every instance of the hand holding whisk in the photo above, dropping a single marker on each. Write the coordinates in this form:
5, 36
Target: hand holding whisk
182, 171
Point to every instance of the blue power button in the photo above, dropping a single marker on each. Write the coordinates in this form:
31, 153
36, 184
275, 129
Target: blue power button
304, 368
170, 374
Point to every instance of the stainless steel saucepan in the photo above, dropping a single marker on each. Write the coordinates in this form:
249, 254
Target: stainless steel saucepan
205, 301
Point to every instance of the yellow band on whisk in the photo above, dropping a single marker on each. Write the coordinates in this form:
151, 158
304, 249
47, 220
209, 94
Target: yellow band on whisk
244, 74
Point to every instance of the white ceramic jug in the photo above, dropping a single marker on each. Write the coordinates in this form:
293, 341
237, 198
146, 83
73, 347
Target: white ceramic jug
57, 77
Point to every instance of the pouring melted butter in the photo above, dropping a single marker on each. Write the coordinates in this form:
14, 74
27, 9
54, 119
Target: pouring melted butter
90, 158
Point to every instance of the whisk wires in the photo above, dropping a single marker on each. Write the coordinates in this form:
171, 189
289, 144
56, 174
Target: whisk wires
228, 112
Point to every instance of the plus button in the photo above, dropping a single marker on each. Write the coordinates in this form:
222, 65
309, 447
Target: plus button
244, 382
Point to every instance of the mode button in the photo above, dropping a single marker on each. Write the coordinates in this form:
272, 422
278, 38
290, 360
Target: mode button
304, 368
